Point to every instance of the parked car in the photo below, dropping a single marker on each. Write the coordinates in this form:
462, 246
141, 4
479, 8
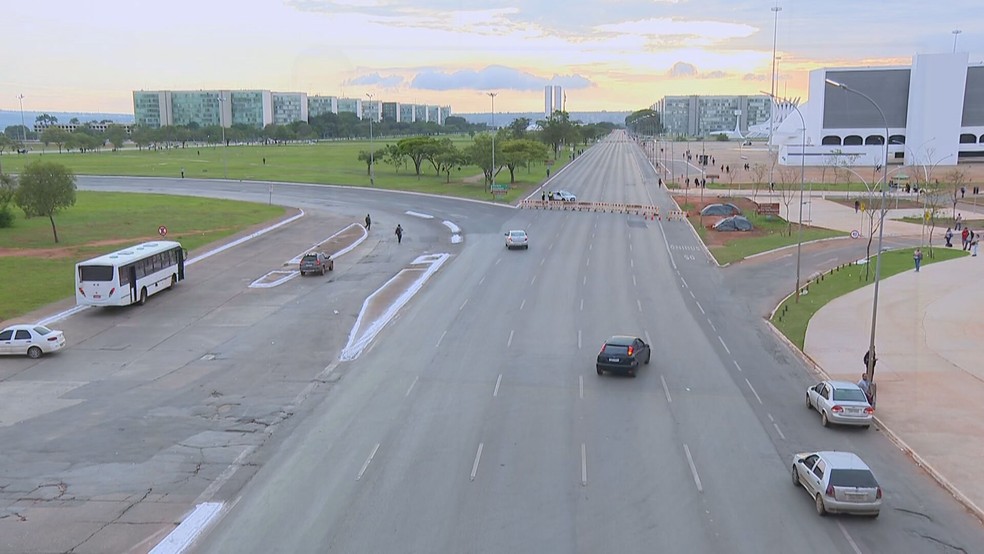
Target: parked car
839, 482
316, 262
564, 196
622, 354
840, 402
33, 340
517, 238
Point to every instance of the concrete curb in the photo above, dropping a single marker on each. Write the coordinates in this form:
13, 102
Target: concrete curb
892, 436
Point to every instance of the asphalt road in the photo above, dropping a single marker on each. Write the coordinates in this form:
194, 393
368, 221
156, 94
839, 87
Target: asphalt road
475, 422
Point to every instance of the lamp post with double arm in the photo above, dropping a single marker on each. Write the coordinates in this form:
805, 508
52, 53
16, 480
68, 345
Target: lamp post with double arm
372, 149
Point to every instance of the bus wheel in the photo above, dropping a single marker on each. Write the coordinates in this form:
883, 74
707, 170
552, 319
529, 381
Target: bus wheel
174, 281
143, 296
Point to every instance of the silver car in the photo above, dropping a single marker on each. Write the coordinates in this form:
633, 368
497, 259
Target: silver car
840, 402
517, 238
839, 482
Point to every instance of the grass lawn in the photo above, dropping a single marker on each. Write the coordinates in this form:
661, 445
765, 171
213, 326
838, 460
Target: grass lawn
325, 162
100, 223
792, 318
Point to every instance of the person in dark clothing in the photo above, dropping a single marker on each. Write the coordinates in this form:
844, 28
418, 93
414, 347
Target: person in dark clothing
368, 222
543, 196
399, 234
857, 206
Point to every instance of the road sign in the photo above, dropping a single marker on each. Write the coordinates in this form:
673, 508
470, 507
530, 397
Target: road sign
162, 230
855, 234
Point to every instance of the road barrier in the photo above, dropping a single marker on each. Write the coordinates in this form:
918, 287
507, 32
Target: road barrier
645, 210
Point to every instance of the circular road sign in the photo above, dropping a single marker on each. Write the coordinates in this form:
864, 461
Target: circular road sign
855, 234
162, 230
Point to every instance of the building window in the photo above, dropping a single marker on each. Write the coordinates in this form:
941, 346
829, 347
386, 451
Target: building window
853, 140
831, 140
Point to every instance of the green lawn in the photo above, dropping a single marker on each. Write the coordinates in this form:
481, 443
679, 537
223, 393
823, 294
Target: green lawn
116, 220
792, 318
326, 162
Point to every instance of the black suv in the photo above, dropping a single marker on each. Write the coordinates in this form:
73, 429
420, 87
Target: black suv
316, 262
622, 354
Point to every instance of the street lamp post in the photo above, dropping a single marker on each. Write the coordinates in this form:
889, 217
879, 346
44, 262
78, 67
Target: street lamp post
492, 95
23, 127
225, 165
772, 115
955, 33
870, 373
372, 148
799, 240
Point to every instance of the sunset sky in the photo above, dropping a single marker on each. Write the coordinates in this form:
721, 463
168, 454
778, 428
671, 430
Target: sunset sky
608, 54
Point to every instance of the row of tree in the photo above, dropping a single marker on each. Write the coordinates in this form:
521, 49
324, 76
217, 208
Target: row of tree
42, 189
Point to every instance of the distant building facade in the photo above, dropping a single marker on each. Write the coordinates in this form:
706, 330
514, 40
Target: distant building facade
700, 116
553, 99
318, 105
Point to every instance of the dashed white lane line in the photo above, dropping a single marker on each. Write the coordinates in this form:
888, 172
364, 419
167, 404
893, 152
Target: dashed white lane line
850, 540
692, 294
711, 323
682, 280
578, 339
509, 342
631, 262
630, 247
701, 308
450, 225
533, 280
482, 280
415, 379
420, 215
666, 389
776, 425
634, 284
639, 303
736, 365
582, 304
550, 246
495, 391
693, 469
462, 307
440, 339
753, 391
497, 261
580, 386
728, 350
589, 246
770, 417
521, 304
584, 465
584, 281
365, 466
587, 262
478, 458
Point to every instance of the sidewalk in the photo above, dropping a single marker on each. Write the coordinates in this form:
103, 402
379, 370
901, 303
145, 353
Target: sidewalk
930, 372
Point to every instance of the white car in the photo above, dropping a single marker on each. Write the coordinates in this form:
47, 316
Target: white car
33, 340
564, 196
838, 482
840, 402
517, 238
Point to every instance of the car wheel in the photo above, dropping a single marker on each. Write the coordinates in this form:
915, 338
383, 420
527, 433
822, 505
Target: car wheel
821, 509
796, 477
823, 419
323, 271
331, 266
143, 296
866, 426
34, 352
808, 405
527, 247
632, 373
648, 356
599, 370
875, 515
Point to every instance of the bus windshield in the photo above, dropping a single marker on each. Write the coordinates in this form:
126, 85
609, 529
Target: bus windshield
96, 272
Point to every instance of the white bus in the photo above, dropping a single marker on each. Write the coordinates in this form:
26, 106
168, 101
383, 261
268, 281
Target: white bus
130, 275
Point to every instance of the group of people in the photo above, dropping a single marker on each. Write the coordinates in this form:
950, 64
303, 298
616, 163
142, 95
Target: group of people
968, 238
398, 232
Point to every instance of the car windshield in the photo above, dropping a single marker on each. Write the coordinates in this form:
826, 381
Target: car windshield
517, 234
853, 478
310, 257
616, 349
42, 330
849, 395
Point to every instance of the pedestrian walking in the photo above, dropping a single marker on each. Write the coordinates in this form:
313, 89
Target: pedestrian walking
963, 191
399, 234
865, 386
543, 196
857, 206
973, 245
948, 236
917, 258
182, 173
957, 222
368, 222
965, 238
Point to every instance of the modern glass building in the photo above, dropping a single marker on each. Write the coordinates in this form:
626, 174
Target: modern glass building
148, 108
318, 105
251, 107
350, 105
699, 116
391, 111
289, 107
407, 113
200, 107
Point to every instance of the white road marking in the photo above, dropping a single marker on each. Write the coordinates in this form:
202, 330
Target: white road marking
631, 262
630, 246
523, 303
682, 280
724, 345
497, 261
509, 342
701, 308
415, 379
736, 365
578, 339
587, 263
584, 465
478, 457
770, 418
666, 389
582, 304
440, 339
776, 425
542, 260
226, 474
590, 245
190, 528
365, 466
482, 280
533, 280
850, 540
463, 305
584, 281
450, 225
638, 303
550, 247
498, 381
753, 391
634, 284
692, 294
648, 340
693, 468
711, 323
580, 386
420, 215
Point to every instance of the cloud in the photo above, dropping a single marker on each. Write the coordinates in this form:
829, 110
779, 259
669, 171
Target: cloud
493, 77
754, 77
682, 69
375, 79
714, 75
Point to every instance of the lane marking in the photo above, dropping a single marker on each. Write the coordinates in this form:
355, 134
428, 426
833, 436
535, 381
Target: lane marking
589, 246
580, 386
523, 303
724, 345
420, 215
638, 303
693, 469
584, 281
550, 247
666, 389
630, 246
634, 284
509, 342
584, 465
711, 323
495, 392
649, 341
587, 262
753, 391
463, 305
482, 280
440, 339
578, 339
631, 262
365, 466
776, 425
415, 379
478, 458
683, 281
542, 260
582, 304
533, 280
692, 294
850, 540
736, 365
701, 308
185, 534
497, 261
770, 418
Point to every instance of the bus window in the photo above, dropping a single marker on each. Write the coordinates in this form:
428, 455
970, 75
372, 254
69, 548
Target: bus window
96, 272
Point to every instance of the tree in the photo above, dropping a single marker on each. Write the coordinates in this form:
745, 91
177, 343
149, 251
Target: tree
116, 135
758, 171
956, 178
447, 158
479, 153
19, 132
74, 121
517, 152
418, 149
517, 129
45, 188
558, 129
46, 119
8, 189
788, 187
369, 158
56, 136
391, 154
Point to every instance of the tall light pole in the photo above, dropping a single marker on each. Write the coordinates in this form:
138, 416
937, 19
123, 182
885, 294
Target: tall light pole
772, 115
492, 95
870, 374
372, 148
955, 33
799, 240
225, 165
23, 127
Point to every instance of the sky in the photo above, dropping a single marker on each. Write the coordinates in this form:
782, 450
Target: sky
616, 55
